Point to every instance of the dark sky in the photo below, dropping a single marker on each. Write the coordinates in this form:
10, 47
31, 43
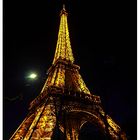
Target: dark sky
104, 41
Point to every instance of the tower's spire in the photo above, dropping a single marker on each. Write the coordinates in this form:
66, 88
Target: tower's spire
63, 47
63, 6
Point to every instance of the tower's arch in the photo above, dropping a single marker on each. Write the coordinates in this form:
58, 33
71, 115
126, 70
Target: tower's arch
78, 119
89, 131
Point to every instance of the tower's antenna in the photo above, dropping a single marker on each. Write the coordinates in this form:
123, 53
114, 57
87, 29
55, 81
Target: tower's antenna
63, 6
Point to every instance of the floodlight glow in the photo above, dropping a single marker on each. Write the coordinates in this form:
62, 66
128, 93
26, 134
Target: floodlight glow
33, 76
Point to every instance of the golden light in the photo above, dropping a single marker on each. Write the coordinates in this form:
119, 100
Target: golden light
63, 47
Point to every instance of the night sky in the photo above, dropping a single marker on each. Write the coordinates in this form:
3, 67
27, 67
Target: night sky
104, 42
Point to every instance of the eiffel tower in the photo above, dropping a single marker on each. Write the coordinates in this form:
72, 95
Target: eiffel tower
65, 103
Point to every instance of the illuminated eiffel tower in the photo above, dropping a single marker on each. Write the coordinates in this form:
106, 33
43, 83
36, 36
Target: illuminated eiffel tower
65, 103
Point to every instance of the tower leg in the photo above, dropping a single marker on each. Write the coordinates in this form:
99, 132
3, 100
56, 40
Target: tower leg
72, 129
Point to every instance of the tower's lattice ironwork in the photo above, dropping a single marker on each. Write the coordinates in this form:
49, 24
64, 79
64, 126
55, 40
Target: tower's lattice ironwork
65, 103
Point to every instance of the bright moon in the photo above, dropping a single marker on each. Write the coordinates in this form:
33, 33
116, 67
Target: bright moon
33, 76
